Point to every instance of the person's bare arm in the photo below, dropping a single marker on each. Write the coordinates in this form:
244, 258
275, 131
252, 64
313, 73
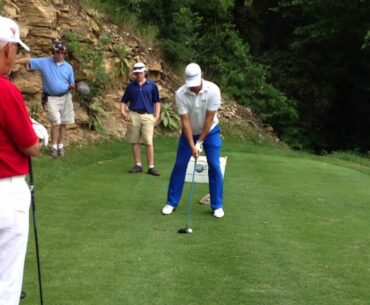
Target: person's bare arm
207, 125
124, 111
157, 111
186, 129
23, 61
32, 151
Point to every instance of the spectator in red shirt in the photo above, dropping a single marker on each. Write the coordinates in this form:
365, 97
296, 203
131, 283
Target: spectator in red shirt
18, 142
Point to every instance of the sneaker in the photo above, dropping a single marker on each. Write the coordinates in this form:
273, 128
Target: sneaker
153, 171
60, 152
167, 209
54, 153
218, 213
136, 169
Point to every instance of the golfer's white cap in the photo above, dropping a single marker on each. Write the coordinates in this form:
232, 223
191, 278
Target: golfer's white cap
193, 75
9, 32
139, 67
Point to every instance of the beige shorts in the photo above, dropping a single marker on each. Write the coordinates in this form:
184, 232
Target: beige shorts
140, 128
60, 109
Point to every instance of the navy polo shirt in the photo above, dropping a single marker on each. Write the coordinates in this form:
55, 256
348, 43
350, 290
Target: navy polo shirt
141, 97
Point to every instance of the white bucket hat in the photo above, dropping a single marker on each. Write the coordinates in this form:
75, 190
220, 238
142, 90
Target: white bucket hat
9, 32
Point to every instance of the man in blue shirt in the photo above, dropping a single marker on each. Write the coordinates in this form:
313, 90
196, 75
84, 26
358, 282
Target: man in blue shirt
140, 108
57, 80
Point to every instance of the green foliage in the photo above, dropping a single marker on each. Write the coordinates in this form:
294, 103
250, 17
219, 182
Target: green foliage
181, 38
123, 65
246, 81
2, 3
169, 117
303, 65
94, 108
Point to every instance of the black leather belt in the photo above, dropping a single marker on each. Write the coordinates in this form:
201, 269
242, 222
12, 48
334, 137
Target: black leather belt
58, 95
140, 111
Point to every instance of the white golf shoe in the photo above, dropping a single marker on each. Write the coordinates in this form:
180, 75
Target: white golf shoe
167, 209
218, 213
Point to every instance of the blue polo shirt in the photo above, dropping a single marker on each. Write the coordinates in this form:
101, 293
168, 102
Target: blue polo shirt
56, 78
141, 97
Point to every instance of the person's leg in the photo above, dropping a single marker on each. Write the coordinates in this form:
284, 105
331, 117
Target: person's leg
133, 137
55, 134
177, 179
150, 155
147, 132
15, 201
212, 148
62, 133
67, 117
54, 107
136, 151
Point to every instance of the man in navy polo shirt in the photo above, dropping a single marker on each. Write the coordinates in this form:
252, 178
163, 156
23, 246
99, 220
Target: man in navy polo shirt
57, 80
140, 108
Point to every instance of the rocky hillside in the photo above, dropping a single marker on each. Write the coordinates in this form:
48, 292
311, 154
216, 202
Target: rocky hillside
101, 53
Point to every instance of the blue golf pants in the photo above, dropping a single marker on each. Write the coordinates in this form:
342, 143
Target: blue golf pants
212, 148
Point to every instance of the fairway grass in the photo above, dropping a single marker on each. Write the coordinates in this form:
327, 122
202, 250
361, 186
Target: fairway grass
295, 231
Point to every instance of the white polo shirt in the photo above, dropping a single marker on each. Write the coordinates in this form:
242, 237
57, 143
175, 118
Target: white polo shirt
196, 106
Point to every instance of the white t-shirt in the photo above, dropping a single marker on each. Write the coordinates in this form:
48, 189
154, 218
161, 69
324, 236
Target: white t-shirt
196, 106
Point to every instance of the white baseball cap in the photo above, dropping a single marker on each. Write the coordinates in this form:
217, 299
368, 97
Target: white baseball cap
139, 67
9, 32
193, 75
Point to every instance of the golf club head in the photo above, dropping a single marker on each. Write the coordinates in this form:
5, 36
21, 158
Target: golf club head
185, 231
83, 88
199, 168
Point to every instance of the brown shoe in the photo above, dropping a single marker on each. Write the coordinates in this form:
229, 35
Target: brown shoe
136, 169
152, 171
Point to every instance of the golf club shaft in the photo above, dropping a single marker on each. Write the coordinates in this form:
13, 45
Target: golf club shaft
191, 196
35, 230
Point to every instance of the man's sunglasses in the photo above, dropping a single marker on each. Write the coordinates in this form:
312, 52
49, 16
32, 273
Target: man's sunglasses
18, 46
60, 52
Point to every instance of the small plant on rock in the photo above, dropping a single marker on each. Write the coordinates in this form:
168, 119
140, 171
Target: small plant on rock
169, 118
123, 65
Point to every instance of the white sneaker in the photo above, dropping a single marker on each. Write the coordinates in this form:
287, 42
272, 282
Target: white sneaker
167, 209
218, 213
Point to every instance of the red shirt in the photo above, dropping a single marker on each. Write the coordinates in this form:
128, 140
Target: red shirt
16, 131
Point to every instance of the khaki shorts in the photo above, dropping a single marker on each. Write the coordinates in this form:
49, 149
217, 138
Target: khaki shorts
140, 128
60, 109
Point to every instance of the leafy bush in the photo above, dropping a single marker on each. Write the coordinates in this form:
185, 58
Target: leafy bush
123, 65
169, 117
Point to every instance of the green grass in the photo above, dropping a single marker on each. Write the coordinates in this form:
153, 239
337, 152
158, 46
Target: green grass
119, 14
296, 231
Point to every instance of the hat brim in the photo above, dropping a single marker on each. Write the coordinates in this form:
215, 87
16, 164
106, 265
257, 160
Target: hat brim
24, 46
138, 70
194, 81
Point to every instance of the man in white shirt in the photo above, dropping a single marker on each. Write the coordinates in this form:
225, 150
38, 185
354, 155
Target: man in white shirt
197, 103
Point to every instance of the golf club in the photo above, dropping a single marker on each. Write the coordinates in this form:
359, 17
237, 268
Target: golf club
187, 229
35, 229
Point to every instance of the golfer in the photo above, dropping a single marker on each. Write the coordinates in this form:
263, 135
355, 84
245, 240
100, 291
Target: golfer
18, 142
197, 103
140, 107
58, 80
